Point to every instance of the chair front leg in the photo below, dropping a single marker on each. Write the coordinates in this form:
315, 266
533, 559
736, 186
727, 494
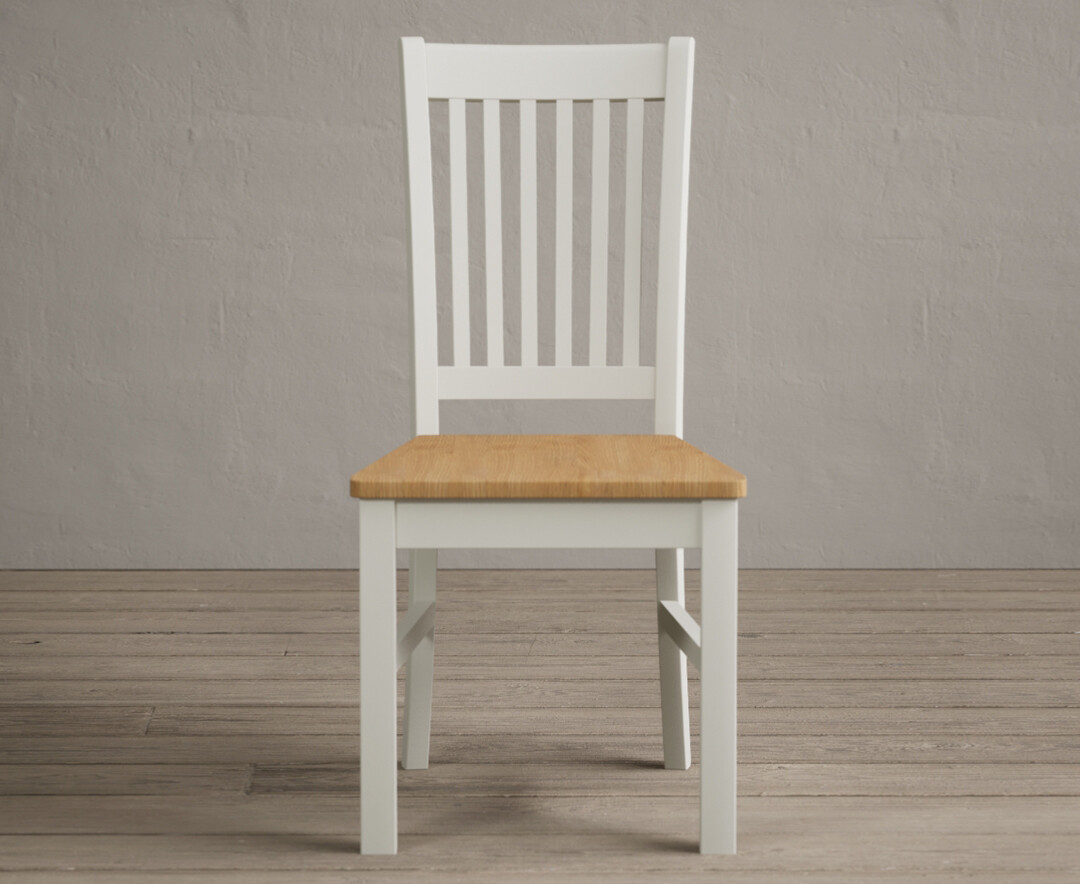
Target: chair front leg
378, 678
674, 706
719, 631
420, 666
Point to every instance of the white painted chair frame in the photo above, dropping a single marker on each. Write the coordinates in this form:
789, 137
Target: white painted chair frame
562, 74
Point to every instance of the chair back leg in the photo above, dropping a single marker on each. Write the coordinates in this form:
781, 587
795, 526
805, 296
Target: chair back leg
420, 665
674, 704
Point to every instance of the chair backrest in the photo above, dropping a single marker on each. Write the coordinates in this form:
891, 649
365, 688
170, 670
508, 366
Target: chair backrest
598, 74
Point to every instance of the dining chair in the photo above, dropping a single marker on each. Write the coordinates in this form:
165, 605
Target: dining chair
547, 491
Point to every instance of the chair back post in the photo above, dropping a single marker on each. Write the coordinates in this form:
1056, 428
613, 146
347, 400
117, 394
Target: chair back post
671, 258
420, 224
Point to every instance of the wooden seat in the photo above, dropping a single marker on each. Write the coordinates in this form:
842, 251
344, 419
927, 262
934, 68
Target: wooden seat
542, 467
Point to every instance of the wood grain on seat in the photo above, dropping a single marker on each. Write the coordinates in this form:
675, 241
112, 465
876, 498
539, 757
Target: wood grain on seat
550, 466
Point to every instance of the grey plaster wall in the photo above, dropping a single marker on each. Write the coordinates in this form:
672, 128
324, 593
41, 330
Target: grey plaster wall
202, 309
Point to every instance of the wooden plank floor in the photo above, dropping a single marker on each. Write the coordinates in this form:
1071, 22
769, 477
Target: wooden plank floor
894, 726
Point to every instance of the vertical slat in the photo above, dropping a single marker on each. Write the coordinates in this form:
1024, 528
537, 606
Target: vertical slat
420, 203
493, 232
671, 260
459, 233
378, 678
599, 240
564, 229
635, 139
719, 659
528, 234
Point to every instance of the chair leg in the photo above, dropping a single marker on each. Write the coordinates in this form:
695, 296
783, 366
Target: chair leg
719, 630
673, 695
378, 678
420, 668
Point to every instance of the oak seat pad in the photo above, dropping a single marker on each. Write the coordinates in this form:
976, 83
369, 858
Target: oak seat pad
564, 467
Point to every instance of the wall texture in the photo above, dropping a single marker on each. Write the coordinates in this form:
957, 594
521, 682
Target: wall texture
202, 309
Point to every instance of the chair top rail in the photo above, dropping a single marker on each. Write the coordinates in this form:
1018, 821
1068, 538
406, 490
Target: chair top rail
546, 73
